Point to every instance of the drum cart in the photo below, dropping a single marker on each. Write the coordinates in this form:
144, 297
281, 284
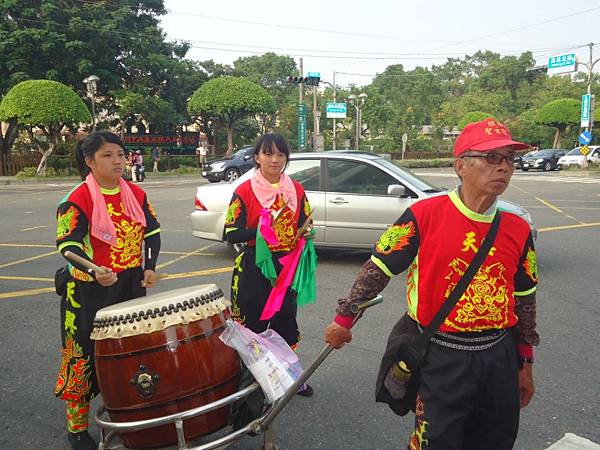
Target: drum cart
261, 425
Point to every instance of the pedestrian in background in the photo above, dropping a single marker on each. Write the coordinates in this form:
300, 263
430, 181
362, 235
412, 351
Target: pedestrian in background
155, 158
202, 152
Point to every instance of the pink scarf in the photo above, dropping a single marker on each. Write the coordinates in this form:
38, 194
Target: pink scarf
266, 194
103, 227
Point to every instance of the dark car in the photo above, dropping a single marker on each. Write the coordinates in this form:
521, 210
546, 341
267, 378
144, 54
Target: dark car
546, 159
231, 168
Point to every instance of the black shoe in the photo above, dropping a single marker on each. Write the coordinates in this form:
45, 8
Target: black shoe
305, 390
82, 441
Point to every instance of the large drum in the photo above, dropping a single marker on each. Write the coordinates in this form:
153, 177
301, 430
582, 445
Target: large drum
161, 354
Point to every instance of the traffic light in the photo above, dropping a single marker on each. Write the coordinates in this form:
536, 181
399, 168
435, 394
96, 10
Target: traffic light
312, 79
298, 80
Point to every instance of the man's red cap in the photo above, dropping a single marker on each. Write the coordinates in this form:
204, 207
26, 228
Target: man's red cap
484, 136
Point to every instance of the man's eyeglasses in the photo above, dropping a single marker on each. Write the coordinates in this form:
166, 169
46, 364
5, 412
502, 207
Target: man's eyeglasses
493, 158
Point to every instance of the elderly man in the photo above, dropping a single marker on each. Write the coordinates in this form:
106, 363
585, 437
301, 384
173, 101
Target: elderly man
475, 376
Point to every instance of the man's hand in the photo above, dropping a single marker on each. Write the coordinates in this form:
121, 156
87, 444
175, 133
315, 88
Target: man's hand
149, 278
106, 279
526, 387
336, 335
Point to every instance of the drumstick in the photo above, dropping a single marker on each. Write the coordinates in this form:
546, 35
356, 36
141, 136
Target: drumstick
84, 262
304, 227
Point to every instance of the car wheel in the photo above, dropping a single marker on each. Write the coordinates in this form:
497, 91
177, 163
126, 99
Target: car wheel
232, 175
524, 169
547, 166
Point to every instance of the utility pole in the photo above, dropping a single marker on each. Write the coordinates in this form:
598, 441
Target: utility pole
301, 85
315, 118
334, 101
589, 86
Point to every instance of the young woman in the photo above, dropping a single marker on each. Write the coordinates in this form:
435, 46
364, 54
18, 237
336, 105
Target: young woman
267, 213
105, 220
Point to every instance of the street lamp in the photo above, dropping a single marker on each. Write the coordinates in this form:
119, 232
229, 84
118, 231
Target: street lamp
357, 102
91, 84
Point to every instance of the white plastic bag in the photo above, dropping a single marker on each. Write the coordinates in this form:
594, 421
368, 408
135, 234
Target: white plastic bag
271, 361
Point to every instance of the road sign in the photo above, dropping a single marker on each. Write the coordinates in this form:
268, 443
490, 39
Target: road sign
585, 138
302, 125
335, 110
562, 64
584, 150
585, 110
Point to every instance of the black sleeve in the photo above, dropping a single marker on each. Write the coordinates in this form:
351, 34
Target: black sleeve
235, 222
398, 245
151, 251
72, 227
243, 235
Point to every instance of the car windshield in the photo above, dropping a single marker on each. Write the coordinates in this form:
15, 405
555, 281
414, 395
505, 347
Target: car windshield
541, 154
575, 151
240, 153
409, 176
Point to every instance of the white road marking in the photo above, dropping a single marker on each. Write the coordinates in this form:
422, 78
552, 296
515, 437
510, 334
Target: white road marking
571, 441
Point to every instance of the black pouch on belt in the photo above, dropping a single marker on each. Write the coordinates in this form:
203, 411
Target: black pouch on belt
60, 280
397, 349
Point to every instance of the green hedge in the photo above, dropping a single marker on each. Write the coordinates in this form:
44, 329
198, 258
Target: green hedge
424, 163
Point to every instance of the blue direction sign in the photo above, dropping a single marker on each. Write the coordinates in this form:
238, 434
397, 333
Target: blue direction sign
585, 138
335, 110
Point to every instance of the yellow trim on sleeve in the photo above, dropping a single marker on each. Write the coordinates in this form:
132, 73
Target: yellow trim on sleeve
379, 263
527, 292
68, 244
230, 229
152, 233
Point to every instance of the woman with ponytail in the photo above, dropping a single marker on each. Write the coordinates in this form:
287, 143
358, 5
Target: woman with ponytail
275, 273
108, 221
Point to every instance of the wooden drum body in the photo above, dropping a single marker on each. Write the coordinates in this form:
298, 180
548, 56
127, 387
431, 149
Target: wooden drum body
161, 354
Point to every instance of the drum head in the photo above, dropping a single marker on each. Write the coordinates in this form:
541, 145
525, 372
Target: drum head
158, 311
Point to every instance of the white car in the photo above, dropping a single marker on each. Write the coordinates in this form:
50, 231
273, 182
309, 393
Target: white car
355, 196
575, 158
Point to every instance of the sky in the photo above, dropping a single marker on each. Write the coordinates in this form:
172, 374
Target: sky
358, 39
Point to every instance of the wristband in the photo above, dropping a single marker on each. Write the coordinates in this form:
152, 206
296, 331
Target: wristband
526, 360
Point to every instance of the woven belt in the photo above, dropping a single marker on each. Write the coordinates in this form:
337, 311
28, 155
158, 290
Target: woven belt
471, 342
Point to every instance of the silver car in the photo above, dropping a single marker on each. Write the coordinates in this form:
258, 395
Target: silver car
355, 197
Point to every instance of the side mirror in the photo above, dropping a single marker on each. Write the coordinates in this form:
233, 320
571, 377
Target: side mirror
247, 157
397, 190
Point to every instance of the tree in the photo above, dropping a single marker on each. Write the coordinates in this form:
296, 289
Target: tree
135, 107
229, 99
560, 114
46, 105
271, 72
473, 116
120, 42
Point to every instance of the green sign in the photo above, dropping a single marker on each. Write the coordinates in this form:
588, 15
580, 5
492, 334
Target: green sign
562, 64
585, 110
302, 125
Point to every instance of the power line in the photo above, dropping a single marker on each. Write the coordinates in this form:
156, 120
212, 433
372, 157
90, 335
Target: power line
517, 29
293, 27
